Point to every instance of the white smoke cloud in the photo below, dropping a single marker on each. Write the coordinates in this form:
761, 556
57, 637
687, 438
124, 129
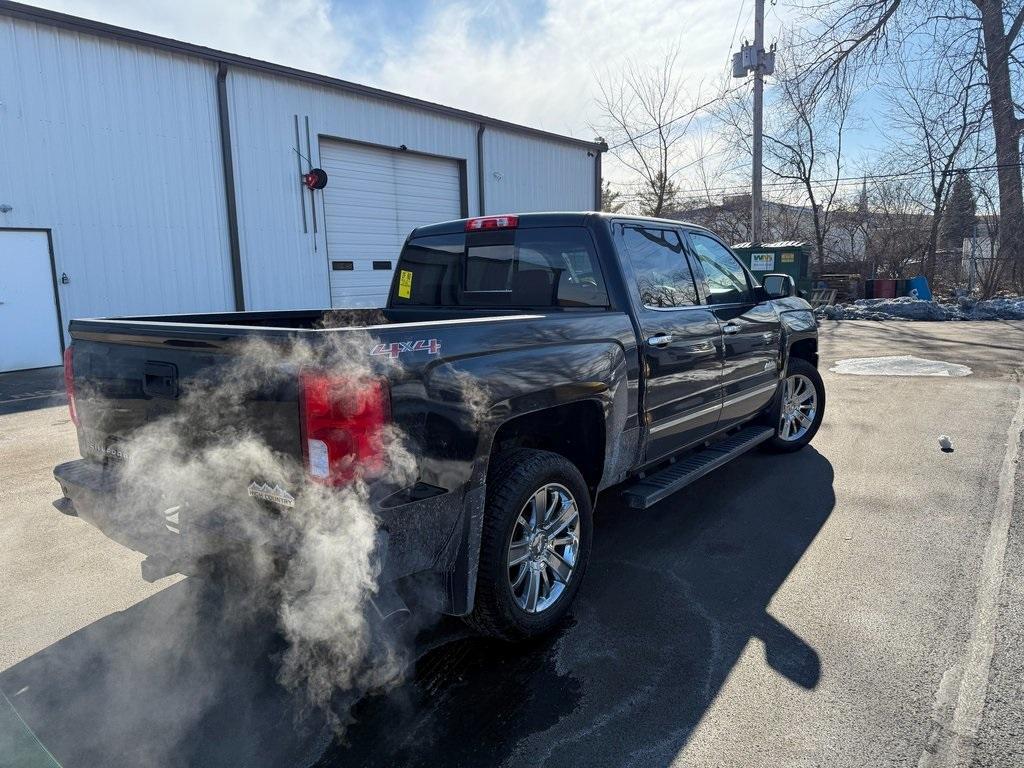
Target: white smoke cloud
313, 566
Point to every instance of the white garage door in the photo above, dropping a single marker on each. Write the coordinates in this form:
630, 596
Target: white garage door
29, 333
373, 199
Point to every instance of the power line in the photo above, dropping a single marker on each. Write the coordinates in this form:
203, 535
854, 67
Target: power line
735, 29
841, 181
677, 118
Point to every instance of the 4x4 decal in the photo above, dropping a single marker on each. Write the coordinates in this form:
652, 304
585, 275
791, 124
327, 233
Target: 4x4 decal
395, 348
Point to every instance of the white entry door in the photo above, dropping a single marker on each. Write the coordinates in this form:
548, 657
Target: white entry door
29, 332
373, 199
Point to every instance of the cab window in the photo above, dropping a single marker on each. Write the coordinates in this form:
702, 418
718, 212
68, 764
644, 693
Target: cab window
663, 275
726, 279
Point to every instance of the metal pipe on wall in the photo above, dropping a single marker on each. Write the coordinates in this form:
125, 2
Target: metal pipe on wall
480, 169
229, 185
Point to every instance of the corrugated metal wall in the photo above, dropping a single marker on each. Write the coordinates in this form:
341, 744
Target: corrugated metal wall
525, 173
282, 269
116, 148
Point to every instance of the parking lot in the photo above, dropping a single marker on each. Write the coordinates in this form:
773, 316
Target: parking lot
860, 602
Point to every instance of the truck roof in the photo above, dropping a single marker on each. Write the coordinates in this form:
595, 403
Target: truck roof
546, 219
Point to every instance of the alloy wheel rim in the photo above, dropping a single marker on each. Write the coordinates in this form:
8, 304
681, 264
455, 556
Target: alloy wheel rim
544, 548
799, 407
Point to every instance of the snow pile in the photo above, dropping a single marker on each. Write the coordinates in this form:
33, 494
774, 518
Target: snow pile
898, 365
908, 308
993, 309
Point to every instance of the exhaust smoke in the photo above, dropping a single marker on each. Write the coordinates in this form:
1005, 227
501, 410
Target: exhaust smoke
310, 569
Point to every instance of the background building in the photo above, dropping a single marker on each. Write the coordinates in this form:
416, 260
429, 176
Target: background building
142, 175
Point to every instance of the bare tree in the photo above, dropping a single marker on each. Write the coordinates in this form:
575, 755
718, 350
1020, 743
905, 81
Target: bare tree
727, 216
849, 234
717, 159
645, 115
804, 144
871, 31
898, 228
936, 114
990, 262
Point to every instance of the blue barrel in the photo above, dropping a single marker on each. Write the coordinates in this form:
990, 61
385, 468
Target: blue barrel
918, 286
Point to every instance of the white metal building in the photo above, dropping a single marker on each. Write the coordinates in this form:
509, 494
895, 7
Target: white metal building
142, 175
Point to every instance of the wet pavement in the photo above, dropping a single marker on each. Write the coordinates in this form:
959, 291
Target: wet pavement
817, 608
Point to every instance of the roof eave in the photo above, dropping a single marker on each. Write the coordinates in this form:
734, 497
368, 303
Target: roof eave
101, 29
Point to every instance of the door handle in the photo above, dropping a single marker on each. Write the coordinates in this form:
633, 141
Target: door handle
660, 340
731, 328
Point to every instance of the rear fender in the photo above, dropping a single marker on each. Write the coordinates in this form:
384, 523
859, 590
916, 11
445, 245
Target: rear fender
498, 388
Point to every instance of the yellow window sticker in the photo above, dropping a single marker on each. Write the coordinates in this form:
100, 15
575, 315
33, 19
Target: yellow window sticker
405, 284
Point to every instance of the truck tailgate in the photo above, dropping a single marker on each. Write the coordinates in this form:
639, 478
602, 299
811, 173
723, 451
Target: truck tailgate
123, 385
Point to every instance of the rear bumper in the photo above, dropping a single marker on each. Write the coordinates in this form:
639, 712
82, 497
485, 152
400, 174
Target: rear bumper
169, 534
433, 536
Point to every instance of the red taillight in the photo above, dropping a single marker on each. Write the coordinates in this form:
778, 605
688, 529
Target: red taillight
69, 382
492, 222
343, 425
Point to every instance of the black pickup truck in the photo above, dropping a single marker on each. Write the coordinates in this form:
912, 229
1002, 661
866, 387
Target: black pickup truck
528, 362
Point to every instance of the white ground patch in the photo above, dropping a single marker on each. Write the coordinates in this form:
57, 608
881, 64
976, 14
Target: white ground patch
898, 365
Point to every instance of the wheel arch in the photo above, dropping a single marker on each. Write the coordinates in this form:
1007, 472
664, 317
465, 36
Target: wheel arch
575, 430
805, 349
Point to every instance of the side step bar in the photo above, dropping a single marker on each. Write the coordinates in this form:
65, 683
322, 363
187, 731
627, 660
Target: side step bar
653, 488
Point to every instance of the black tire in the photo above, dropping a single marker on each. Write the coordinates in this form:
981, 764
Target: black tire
513, 479
796, 366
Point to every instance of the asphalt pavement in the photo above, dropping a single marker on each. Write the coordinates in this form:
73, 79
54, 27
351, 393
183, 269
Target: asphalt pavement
857, 603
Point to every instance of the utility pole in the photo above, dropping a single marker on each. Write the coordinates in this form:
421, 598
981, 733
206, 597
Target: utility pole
754, 58
972, 268
755, 191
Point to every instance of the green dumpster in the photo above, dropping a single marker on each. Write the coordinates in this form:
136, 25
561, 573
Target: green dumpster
790, 257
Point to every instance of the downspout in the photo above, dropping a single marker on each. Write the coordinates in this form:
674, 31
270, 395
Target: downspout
229, 185
602, 147
480, 169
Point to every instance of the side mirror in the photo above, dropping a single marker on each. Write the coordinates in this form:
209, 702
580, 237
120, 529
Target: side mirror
778, 286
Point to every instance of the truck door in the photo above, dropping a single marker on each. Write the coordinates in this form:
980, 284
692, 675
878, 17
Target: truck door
680, 339
750, 326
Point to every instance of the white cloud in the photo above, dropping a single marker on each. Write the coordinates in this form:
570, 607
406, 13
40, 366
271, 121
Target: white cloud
535, 64
299, 33
484, 57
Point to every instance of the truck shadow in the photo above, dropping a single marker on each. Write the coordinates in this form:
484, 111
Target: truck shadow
673, 597
175, 680
22, 391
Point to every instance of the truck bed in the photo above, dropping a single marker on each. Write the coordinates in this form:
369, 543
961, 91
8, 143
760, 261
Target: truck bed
315, 319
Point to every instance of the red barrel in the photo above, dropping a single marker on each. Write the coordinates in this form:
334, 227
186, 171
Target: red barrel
885, 289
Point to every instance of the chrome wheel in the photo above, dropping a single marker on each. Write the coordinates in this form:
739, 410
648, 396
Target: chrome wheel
544, 547
799, 407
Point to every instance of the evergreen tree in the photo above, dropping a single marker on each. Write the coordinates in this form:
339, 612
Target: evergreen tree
959, 216
660, 198
609, 199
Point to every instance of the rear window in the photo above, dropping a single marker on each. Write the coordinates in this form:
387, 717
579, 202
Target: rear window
542, 267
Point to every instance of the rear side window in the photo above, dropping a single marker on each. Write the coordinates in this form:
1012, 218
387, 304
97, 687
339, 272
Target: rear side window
542, 267
663, 275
